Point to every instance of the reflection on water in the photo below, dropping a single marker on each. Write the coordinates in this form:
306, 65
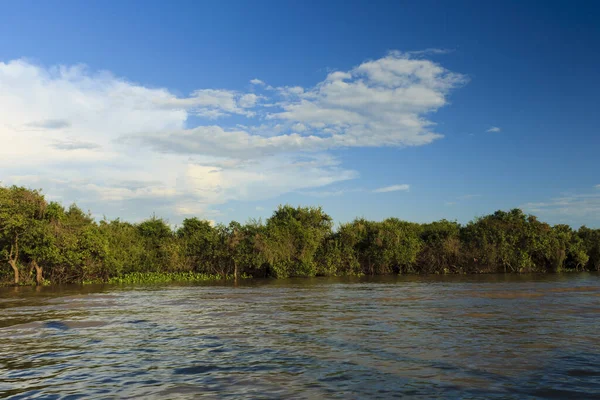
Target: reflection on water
460, 336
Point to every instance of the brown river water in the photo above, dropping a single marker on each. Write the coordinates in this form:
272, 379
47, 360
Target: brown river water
488, 336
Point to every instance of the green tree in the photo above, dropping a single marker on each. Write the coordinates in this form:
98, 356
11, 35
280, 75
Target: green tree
20, 212
293, 236
160, 252
199, 241
126, 247
591, 244
67, 245
441, 251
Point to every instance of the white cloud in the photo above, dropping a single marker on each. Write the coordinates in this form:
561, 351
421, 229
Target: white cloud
211, 103
115, 145
339, 76
299, 127
494, 129
262, 178
379, 103
248, 100
393, 188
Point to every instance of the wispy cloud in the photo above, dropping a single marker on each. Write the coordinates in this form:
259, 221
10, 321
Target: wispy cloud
571, 205
462, 198
468, 196
257, 81
430, 51
494, 129
50, 124
75, 145
330, 193
394, 188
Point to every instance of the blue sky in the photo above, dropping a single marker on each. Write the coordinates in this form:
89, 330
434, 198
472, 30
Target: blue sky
418, 110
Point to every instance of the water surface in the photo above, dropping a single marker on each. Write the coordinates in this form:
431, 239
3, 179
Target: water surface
491, 336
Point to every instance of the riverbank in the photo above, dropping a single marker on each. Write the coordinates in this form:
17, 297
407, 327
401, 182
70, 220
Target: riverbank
194, 277
43, 241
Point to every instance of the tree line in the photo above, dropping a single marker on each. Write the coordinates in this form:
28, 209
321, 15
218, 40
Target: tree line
44, 242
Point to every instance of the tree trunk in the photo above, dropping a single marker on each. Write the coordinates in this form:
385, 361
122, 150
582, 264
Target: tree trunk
235, 272
13, 258
13, 264
39, 278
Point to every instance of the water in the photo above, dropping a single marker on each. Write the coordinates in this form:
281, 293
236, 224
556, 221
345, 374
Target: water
469, 337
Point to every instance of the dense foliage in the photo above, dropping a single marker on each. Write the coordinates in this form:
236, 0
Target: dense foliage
42, 242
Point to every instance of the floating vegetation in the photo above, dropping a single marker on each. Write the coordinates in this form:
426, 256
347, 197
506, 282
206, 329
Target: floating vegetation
163, 277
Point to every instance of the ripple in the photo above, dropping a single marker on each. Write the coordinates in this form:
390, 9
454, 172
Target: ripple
430, 337
196, 369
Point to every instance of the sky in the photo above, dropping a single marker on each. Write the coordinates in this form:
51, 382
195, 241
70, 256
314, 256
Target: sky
223, 110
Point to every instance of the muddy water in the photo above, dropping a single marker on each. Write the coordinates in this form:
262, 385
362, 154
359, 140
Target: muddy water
430, 337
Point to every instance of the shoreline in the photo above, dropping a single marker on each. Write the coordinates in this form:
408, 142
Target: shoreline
43, 241
148, 278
